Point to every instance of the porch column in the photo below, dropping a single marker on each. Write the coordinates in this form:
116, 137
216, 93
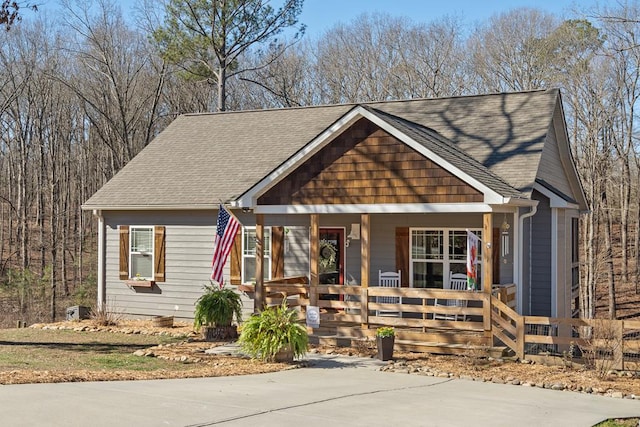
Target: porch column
259, 300
487, 270
314, 253
365, 264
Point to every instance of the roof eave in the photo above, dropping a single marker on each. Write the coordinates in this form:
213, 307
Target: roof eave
195, 206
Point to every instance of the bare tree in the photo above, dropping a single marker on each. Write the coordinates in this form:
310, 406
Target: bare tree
207, 37
622, 25
505, 51
117, 78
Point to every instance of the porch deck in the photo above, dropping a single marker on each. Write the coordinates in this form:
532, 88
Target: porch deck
348, 313
490, 323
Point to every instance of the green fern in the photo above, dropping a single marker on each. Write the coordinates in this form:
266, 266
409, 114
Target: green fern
265, 334
217, 307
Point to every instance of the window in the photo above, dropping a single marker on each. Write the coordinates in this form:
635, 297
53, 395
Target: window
141, 252
431, 263
249, 254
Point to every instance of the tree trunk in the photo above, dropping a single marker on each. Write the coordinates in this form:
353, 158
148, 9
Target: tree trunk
609, 258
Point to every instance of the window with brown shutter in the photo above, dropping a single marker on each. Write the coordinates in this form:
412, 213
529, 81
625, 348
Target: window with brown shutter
236, 259
274, 254
124, 252
277, 253
158, 253
135, 246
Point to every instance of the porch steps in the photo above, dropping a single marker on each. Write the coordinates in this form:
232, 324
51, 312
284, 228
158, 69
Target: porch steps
448, 348
415, 346
436, 341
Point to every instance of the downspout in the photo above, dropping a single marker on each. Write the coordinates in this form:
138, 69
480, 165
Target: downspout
521, 219
102, 251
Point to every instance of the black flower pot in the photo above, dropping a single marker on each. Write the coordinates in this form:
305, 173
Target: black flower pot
385, 347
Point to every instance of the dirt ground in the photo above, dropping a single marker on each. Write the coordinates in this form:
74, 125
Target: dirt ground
627, 300
191, 351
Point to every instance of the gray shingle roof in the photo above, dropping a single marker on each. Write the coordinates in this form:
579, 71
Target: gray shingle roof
448, 151
201, 159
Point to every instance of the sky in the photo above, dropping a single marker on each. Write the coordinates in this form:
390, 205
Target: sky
321, 15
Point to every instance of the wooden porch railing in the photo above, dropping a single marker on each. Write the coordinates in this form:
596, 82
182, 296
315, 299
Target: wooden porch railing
507, 326
616, 341
489, 316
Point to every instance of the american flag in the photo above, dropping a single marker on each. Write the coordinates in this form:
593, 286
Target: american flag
226, 229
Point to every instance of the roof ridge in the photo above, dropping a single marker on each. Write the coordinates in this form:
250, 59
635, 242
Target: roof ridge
361, 103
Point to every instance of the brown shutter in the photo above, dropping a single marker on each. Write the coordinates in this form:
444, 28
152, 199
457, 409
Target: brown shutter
158, 253
277, 253
124, 252
402, 254
496, 255
236, 259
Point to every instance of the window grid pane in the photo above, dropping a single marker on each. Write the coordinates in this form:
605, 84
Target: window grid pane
141, 252
249, 254
428, 274
431, 264
141, 240
142, 266
427, 244
250, 243
458, 245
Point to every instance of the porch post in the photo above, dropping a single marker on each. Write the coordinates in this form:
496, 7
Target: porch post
314, 253
487, 271
365, 264
259, 300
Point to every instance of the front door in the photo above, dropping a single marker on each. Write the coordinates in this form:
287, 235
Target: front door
331, 261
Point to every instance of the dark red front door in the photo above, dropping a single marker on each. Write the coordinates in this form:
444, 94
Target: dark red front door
331, 261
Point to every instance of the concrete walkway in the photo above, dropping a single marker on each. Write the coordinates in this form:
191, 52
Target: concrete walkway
332, 391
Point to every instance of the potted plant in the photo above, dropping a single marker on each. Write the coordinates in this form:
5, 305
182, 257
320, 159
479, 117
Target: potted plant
385, 338
274, 335
215, 311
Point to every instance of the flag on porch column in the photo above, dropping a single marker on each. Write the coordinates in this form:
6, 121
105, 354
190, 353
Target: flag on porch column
472, 261
226, 229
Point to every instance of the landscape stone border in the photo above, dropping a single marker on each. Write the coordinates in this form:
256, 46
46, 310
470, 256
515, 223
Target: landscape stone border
417, 368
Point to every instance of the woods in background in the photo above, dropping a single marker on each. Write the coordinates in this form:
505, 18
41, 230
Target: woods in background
81, 96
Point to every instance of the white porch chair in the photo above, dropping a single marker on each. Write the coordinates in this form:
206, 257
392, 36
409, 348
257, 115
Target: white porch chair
456, 282
389, 279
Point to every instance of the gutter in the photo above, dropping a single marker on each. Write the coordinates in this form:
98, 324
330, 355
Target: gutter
102, 260
521, 219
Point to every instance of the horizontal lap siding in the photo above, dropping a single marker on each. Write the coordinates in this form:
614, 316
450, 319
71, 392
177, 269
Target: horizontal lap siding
563, 274
541, 258
551, 169
189, 249
188, 264
367, 165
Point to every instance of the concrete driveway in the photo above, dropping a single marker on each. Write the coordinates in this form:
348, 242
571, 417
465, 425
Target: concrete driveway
334, 391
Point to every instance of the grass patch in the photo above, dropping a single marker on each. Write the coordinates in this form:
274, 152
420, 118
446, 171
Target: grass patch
64, 350
619, 422
35, 355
